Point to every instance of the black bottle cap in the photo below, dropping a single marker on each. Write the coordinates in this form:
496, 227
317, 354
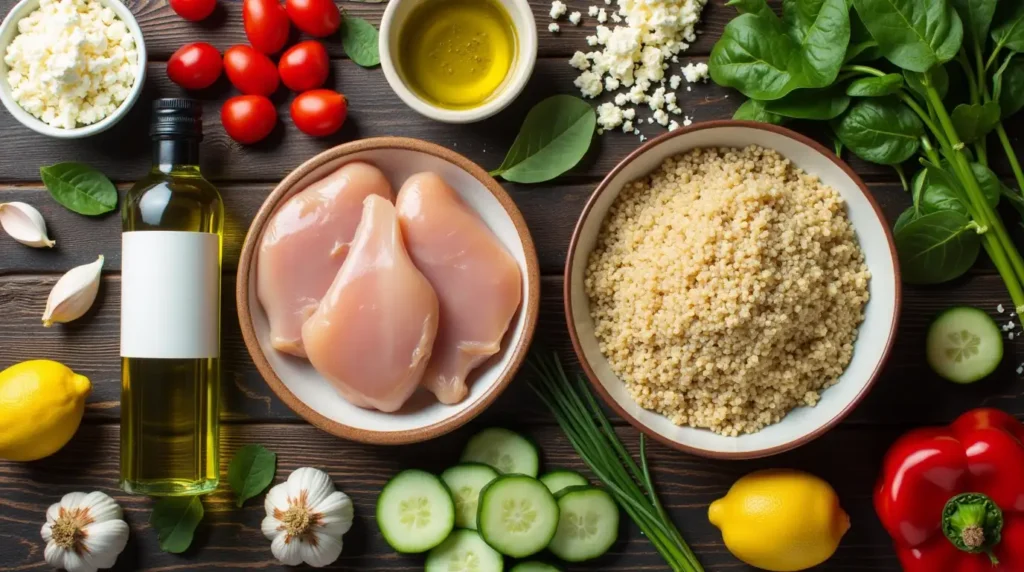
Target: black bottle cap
176, 117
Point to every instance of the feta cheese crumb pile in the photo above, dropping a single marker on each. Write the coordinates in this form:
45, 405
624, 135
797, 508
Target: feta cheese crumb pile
72, 62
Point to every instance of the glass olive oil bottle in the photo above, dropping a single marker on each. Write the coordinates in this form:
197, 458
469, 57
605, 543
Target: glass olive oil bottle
173, 223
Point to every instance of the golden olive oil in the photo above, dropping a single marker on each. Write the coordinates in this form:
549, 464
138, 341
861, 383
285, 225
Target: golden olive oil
456, 54
173, 223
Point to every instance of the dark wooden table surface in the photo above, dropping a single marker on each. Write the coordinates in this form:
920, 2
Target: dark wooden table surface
907, 395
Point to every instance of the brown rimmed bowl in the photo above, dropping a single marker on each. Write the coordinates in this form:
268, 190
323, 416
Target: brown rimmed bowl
876, 335
422, 418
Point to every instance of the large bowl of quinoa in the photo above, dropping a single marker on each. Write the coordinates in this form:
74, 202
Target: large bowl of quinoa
732, 289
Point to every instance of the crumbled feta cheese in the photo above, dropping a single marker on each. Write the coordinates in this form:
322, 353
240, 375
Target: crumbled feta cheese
674, 81
672, 125
616, 18
629, 113
557, 9
611, 84
1000, 309
602, 16
592, 10
695, 72
589, 84
620, 99
574, 18
609, 116
650, 120
687, 121
627, 126
607, 1
1020, 369
553, 28
657, 100
592, 40
579, 61
661, 117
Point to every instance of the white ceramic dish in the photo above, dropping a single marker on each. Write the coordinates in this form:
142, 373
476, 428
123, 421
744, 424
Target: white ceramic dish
876, 335
9, 29
391, 24
423, 417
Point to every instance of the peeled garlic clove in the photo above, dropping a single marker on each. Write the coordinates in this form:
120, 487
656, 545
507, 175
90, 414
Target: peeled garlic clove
73, 294
24, 223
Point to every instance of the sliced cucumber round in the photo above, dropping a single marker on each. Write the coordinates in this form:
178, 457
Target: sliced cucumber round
508, 452
588, 524
464, 551
415, 511
560, 479
465, 481
518, 515
964, 344
535, 566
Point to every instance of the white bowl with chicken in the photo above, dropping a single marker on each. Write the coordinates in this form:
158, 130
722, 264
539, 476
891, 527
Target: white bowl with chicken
388, 290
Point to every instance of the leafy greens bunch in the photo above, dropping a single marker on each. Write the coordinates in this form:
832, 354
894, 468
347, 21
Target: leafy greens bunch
888, 76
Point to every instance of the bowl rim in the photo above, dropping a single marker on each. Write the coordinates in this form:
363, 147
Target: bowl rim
248, 258
575, 338
25, 118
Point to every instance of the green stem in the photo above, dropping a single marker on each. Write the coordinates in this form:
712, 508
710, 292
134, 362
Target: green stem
1004, 139
863, 69
925, 118
972, 79
992, 58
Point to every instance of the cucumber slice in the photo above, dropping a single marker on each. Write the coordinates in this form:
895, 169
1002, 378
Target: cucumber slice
415, 511
964, 344
588, 524
506, 451
560, 479
518, 515
464, 551
465, 482
535, 566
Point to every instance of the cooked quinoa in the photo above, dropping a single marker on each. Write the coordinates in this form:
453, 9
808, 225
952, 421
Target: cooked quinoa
726, 288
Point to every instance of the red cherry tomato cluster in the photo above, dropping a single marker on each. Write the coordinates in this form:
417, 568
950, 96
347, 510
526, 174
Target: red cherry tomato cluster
303, 68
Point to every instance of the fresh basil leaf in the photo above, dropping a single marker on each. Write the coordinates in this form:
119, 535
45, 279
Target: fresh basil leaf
757, 7
753, 56
359, 38
904, 218
937, 77
973, 121
821, 29
915, 35
976, 16
888, 84
80, 188
1009, 29
250, 471
936, 247
754, 110
863, 48
1008, 84
820, 104
175, 520
554, 137
880, 129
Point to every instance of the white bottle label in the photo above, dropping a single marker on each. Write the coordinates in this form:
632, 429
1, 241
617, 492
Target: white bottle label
170, 295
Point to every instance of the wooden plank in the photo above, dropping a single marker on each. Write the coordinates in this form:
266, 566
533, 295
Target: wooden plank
90, 346
231, 538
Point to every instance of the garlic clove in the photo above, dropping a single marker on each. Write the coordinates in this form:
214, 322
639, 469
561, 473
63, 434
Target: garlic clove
73, 294
24, 224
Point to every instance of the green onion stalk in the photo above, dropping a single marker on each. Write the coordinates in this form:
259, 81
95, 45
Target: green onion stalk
592, 435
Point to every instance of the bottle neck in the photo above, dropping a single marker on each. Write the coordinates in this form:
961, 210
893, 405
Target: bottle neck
175, 154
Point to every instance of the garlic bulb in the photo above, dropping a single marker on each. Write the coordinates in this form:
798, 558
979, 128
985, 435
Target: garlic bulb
84, 532
73, 294
24, 223
306, 518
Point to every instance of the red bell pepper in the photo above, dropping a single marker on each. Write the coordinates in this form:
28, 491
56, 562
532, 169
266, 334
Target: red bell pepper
952, 498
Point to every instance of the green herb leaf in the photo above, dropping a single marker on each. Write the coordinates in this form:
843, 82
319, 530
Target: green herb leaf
250, 471
554, 137
1008, 84
80, 188
820, 104
753, 110
937, 77
936, 247
175, 520
821, 30
940, 191
1009, 30
881, 130
757, 7
915, 35
976, 16
359, 38
974, 121
888, 84
991, 186
863, 48
904, 218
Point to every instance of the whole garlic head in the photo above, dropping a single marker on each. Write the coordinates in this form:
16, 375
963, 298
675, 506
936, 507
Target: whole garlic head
24, 223
306, 518
84, 532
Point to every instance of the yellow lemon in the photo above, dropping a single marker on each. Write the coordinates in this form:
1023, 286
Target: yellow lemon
41, 406
780, 520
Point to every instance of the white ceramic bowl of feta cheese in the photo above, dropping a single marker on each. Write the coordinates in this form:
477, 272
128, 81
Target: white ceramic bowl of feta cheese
80, 65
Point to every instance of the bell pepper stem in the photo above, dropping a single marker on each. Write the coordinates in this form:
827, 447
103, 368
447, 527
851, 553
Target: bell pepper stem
973, 523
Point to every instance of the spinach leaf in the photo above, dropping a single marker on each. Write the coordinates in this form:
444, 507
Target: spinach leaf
821, 104
974, 121
250, 471
915, 35
1009, 31
757, 7
863, 48
976, 16
80, 188
554, 137
880, 129
937, 77
754, 110
753, 56
360, 40
1008, 84
175, 520
940, 191
991, 186
888, 84
936, 247
904, 218
821, 29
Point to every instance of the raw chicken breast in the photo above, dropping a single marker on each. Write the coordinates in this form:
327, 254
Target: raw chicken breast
305, 244
476, 280
373, 331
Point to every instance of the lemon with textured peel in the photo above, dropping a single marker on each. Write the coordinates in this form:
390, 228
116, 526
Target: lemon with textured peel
780, 520
41, 406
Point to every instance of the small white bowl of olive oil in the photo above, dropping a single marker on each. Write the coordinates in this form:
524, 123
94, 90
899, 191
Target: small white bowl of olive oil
458, 61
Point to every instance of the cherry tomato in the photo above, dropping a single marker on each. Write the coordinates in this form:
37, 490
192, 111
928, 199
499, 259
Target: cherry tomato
193, 10
248, 118
250, 71
319, 112
195, 66
266, 24
315, 17
304, 66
